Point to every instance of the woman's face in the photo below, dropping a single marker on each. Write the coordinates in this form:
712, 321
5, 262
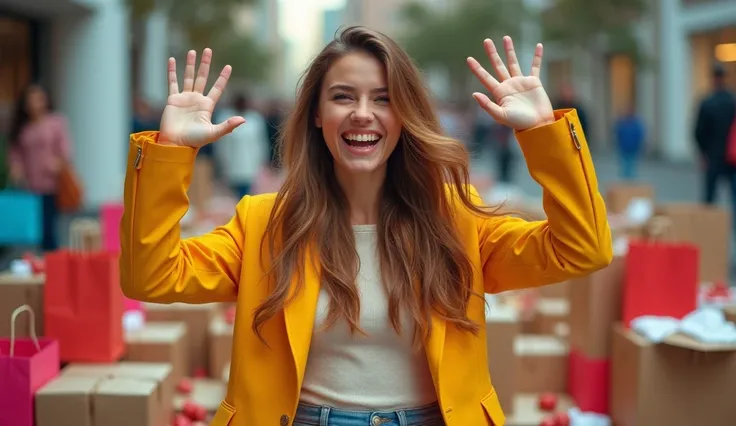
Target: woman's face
36, 102
358, 123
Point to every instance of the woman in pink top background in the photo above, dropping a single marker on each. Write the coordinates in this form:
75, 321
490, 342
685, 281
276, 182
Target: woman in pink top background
39, 147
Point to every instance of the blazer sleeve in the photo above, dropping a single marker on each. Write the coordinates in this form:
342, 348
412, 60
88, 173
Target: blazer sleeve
156, 265
575, 239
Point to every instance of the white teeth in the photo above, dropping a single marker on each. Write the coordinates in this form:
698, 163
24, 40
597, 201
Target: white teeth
362, 137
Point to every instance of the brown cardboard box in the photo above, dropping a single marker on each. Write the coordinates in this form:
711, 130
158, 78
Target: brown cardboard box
158, 373
16, 291
551, 316
527, 412
98, 401
197, 318
160, 342
680, 382
502, 328
221, 344
595, 305
559, 290
709, 228
619, 195
207, 392
541, 364
730, 312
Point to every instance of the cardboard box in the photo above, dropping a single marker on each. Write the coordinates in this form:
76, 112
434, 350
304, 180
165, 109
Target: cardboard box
526, 410
197, 319
98, 401
708, 228
541, 364
678, 382
132, 392
595, 305
730, 312
221, 344
619, 195
160, 342
559, 290
207, 392
551, 317
502, 328
16, 291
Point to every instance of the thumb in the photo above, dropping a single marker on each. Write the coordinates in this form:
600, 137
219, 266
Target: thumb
228, 126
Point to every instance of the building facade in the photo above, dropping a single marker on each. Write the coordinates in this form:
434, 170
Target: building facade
80, 51
681, 39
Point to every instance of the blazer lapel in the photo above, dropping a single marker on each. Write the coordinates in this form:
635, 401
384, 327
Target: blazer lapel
299, 316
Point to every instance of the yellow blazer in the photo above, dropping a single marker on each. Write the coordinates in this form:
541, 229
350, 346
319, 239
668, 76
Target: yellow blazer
224, 266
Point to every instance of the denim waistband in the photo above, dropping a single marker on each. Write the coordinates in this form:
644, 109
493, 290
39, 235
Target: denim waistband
311, 415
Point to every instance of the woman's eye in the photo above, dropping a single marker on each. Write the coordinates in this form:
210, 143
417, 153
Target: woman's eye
383, 99
340, 96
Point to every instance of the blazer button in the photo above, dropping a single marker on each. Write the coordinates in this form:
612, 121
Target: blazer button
284, 420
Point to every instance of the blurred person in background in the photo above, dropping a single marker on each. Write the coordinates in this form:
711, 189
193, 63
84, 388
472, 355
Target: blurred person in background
482, 129
567, 99
629, 130
274, 119
360, 283
242, 153
716, 115
145, 117
502, 137
40, 145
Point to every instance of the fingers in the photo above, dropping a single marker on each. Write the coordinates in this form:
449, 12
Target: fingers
483, 76
514, 67
173, 84
189, 71
204, 71
496, 60
537, 61
219, 86
491, 108
228, 126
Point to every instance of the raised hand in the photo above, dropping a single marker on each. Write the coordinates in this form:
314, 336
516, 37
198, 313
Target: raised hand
520, 101
187, 118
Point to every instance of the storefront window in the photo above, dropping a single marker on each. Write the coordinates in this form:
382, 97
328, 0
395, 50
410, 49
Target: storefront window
15, 64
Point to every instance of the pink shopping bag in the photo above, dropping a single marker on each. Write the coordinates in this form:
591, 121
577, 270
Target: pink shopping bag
110, 216
25, 366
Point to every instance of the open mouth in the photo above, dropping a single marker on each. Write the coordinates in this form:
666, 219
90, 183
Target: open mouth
361, 140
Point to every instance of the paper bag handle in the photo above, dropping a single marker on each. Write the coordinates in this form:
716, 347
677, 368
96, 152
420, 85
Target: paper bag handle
657, 227
13, 317
77, 233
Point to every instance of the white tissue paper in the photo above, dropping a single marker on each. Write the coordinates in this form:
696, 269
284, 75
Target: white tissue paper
21, 268
133, 320
639, 211
707, 325
579, 418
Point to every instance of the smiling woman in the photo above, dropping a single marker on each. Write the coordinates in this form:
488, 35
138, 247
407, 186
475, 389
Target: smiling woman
359, 285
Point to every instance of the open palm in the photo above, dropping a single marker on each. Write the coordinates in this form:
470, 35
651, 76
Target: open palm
520, 101
187, 118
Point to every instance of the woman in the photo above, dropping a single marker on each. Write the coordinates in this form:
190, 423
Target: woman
39, 147
359, 286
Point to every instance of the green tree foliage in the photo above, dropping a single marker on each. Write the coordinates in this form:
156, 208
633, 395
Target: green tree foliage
443, 39
210, 23
591, 24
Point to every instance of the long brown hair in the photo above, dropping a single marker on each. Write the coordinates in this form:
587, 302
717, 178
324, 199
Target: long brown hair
423, 263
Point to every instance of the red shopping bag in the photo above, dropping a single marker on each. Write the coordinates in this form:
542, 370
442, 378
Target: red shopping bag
661, 279
83, 304
25, 366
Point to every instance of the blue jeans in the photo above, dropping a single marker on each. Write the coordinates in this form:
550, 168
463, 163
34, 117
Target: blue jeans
311, 415
628, 162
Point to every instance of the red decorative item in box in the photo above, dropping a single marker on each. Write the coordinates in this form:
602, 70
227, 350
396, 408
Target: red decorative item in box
589, 382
